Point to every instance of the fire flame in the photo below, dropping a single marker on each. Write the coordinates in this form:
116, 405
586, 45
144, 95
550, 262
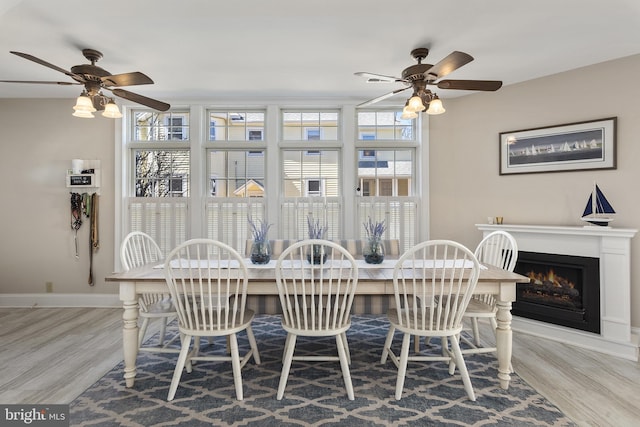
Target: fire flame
549, 277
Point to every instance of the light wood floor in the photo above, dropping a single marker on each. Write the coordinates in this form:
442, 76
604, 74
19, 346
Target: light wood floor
51, 355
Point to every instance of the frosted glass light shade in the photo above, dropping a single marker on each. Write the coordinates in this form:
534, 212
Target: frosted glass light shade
83, 114
83, 103
111, 111
435, 107
415, 104
408, 114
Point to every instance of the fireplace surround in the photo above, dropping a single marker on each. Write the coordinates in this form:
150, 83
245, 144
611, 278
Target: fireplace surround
612, 247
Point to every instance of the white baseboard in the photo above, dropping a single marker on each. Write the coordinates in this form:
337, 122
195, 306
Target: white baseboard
60, 300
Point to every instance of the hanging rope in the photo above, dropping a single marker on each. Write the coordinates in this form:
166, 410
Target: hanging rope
94, 242
76, 218
86, 204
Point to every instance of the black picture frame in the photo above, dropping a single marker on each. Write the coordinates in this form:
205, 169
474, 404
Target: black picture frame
560, 148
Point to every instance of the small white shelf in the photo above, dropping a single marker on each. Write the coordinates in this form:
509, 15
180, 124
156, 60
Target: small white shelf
85, 180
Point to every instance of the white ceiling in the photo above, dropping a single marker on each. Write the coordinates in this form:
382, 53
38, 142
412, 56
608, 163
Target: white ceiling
305, 49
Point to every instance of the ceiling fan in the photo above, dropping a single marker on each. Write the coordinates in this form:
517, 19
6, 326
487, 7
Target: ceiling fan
419, 76
95, 79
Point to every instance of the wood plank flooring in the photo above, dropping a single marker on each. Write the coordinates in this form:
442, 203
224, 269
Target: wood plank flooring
51, 355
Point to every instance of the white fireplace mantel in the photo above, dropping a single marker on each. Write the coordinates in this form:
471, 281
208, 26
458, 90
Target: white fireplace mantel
613, 247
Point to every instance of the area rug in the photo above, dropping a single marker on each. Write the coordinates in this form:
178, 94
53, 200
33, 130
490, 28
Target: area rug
315, 393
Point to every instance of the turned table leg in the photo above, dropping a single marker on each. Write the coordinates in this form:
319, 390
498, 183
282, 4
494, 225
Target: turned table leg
129, 300
504, 342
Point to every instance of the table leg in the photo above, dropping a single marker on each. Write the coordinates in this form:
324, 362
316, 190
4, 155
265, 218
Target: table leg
504, 342
129, 300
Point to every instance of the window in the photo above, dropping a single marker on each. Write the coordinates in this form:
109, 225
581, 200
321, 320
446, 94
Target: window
184, 182
311, 175
385, 172
386, 192
310, 125
176, 185
237, 191
254, 135
152, 126
313, 134
367, 154
161, 173
236, 173
386, 152
236, 125
176, 128
384, 125
314, 188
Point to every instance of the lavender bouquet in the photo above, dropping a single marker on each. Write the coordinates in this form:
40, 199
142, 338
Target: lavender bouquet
261, 249
316, 231
373, 251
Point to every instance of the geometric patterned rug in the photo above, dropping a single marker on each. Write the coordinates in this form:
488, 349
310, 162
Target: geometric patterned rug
315, 393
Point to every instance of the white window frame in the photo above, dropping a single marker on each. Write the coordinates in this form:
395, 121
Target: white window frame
348, 144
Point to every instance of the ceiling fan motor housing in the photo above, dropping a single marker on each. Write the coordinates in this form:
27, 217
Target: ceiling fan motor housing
416, 72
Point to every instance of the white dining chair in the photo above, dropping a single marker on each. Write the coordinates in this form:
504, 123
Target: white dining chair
208, 281
499, 249
433, 283
136, 250
316, 300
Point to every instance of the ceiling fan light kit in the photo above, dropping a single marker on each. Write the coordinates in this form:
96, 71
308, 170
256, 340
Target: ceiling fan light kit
419, 76
96, 79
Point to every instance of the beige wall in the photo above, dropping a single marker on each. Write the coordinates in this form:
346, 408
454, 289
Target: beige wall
466, 187
38, 139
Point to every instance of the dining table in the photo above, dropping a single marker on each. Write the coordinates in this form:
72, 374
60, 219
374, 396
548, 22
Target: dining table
373, 279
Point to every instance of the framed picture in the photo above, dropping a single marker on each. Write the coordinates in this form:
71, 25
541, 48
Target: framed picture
561, 148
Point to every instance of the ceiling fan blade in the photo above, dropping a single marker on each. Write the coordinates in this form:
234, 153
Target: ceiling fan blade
40, 82
47, 64
127, 79
450, 63
486, 85
380, 98
378, 78
149, 102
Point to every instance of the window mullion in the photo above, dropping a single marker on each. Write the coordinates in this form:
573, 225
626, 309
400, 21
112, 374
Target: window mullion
196, 203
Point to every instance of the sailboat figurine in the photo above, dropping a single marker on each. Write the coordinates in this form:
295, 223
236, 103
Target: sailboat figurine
598, 210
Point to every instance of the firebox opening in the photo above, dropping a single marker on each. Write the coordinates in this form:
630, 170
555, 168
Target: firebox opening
563, 290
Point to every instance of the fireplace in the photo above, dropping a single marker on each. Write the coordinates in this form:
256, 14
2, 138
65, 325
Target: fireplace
564, 290
612, 247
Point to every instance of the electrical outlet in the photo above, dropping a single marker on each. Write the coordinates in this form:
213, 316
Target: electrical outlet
49, 287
